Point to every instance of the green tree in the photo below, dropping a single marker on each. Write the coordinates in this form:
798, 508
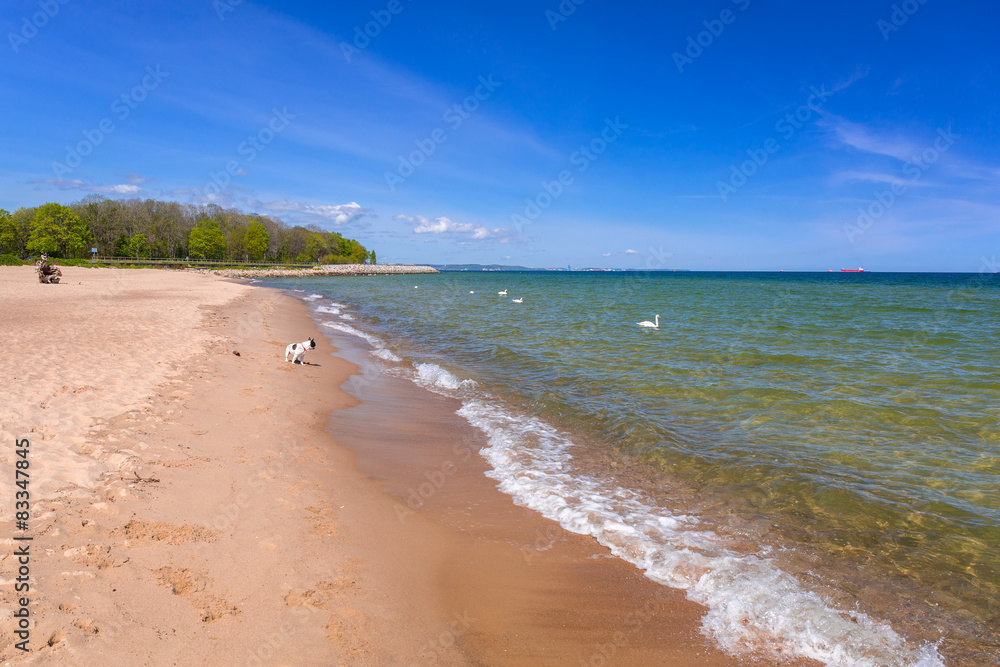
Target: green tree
316, 247
8, 234
57, 229
22, 219
371, 258
137, 245
256, 240
206, 241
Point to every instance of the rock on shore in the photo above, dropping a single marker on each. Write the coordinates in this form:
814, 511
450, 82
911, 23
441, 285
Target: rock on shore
327, 270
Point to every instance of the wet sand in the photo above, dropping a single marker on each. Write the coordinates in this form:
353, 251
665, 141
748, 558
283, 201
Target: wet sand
195, 506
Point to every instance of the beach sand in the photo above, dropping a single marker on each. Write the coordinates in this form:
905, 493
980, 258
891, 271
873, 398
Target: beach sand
194, 506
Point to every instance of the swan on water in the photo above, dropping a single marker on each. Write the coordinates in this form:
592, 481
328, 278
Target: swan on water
649, 324
503, 293
471, 292
521, 300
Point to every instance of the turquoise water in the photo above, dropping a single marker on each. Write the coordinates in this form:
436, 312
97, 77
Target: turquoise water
839, 430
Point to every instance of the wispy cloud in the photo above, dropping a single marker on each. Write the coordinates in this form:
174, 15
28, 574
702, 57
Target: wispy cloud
473, 232
109, 189
854, 176
617, 254
338, 215
867, 140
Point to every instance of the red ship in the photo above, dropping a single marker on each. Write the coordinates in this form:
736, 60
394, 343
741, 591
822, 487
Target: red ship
857, 270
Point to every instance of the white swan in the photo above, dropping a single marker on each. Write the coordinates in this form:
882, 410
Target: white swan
649, 324
521, 300
471, 292
503, 293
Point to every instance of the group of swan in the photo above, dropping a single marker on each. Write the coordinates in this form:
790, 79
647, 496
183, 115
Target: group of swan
504, 293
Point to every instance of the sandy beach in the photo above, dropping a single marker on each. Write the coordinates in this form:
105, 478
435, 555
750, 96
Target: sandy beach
194, 499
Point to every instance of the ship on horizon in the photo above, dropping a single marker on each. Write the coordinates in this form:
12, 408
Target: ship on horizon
857, 270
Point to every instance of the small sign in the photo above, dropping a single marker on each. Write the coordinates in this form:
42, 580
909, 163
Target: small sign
93, 250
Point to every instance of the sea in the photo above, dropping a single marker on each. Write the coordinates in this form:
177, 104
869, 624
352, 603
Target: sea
814, 457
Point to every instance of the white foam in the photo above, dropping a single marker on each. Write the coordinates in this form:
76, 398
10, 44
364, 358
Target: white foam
345, 316
383, 353
432, 376
332, 310
753, 606
312, 297
346, 328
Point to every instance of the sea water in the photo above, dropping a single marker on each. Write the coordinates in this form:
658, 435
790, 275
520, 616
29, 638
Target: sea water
813, 457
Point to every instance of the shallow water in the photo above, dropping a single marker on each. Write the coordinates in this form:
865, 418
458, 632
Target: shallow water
814, 457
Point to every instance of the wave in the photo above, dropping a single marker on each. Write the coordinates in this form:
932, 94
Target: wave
346, 328
754, 606
385, 354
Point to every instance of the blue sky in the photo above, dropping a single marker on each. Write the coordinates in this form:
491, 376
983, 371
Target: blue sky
731, 134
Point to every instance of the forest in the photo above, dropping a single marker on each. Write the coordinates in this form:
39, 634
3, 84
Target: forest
147, 228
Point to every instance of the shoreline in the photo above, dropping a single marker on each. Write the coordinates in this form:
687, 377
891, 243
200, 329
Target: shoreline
329, 270
256, 535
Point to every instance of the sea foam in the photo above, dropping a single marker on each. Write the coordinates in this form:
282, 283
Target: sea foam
753, 606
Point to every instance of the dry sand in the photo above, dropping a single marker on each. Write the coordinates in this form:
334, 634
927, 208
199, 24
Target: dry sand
191, 506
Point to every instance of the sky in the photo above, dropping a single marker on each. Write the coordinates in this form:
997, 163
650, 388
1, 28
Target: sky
715, 135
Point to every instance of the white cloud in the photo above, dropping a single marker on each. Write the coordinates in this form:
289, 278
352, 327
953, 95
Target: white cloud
340, 214
77, 184
121, 189
863, 139
442, 225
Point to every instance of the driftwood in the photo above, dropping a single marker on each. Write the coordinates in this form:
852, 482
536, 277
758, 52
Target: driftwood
47, 273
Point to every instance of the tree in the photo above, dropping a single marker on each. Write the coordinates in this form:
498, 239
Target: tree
316, 247
371, 258
206, 241
22, 220
137, 245
57, 229
256, 240
8, 234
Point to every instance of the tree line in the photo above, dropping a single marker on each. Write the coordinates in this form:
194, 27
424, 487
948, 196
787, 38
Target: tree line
143, 228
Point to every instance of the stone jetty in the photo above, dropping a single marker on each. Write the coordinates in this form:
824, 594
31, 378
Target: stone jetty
326, 270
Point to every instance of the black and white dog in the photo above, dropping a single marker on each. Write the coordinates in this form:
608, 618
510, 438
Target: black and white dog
297, 351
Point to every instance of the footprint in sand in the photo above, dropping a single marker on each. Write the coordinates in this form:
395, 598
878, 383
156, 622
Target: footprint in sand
191, 585
165, 532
